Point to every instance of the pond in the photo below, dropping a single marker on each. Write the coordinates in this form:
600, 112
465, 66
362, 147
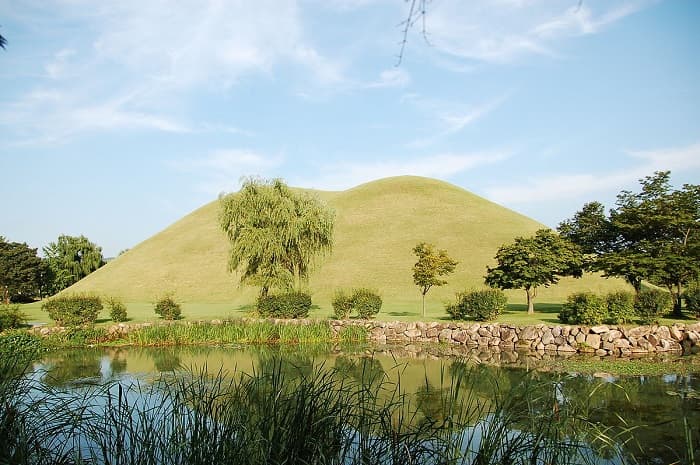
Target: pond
404, 409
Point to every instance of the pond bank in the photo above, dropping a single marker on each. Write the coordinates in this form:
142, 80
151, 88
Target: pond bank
599, 340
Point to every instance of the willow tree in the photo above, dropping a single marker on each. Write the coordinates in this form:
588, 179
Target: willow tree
72, 258
276, 233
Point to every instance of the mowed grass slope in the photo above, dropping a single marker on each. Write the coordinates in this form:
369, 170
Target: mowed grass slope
377, 226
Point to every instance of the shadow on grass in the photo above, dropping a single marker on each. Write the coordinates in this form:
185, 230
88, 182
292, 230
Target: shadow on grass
402, 313
546, 312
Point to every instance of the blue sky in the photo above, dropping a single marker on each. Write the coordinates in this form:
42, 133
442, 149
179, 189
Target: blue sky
117, 118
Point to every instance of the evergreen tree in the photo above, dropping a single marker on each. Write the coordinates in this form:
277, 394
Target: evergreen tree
20, 270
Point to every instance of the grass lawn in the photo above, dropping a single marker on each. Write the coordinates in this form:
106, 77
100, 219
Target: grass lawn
516, 314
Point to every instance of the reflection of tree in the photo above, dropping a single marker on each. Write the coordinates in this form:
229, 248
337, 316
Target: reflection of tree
367, 371
166, 359
73, 367
117, 365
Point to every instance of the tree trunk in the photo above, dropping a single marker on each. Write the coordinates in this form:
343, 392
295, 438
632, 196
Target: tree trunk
530, 301
423, 305
677, 301
6, 295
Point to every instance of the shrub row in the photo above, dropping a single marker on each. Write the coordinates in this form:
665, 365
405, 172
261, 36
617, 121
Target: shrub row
366, 302
587, 308
479, 305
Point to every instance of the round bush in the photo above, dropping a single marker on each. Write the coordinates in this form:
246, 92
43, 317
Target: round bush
692, 300
117, 310
73, 310
342, 305
480, 305
168, 309
620, 308
288, 305
651, 304
366, 302
11, 317
584, 308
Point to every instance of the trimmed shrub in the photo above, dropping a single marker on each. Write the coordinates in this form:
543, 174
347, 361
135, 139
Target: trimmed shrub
342, 304
479, 304
288, 305
620, 308
584, 308
73, 310
651, 304
366, 302
117, 310
692, 300
167, 308
11, 317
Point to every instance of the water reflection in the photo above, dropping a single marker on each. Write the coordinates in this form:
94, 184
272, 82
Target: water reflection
650, 405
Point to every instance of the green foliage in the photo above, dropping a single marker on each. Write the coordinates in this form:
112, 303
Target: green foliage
479, 304
431, 265
19, 346
584, 308
692, 299
20, 272
117, 310
275, 233
651, 304
168, 308
73, 310
620, 308
342, 304
11, 317
652, 235
366, 302
288, 305
530, 262
70, 259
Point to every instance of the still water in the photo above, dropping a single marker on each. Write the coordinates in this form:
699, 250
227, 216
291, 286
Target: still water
660, 409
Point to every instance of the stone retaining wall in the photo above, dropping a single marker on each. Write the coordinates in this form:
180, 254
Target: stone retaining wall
598, 340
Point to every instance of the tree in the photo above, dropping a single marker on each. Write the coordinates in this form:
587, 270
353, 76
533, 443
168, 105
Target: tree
276, 233
651, 235
20, 269
70, 259
430, 266
531, 262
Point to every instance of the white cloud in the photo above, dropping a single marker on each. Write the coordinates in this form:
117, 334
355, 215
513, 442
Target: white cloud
569, 186
56, 68
147, 58
221, 170
394, 77
449, 117
347, 175
501, 31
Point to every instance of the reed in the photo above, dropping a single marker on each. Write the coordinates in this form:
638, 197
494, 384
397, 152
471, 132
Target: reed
286, 414
242, 332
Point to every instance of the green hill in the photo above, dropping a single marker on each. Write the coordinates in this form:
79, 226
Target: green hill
377, 226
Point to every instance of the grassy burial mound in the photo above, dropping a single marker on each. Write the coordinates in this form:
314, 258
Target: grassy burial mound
377, 226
